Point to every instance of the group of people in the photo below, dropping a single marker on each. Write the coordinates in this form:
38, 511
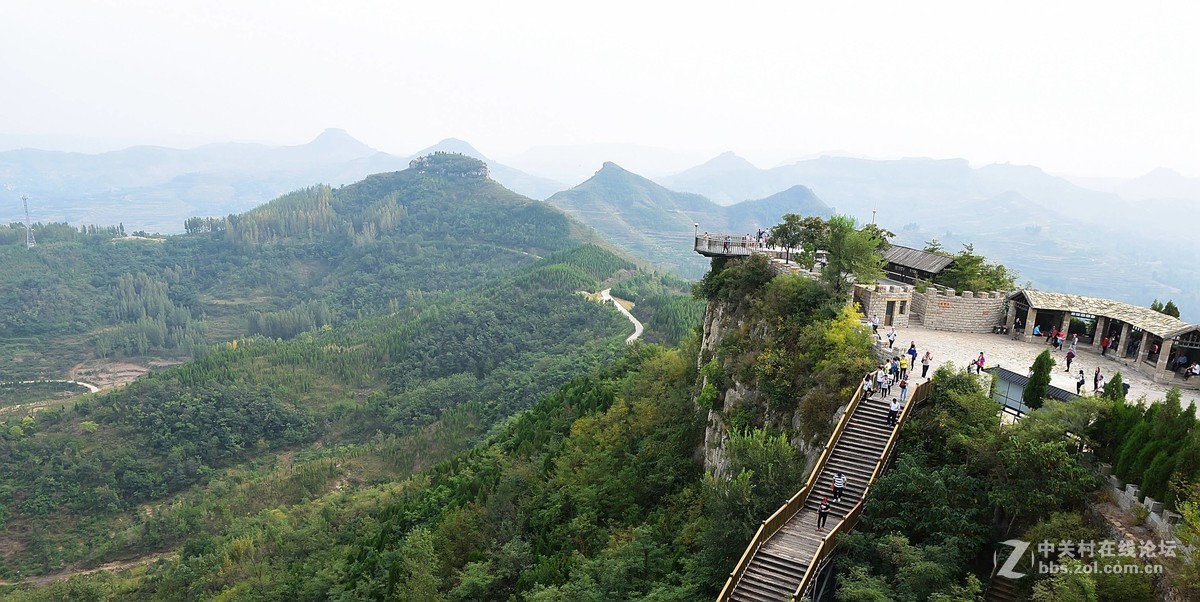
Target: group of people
896, 372
761, 240
1056, 337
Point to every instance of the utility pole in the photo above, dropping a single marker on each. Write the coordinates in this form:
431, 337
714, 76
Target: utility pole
29, 241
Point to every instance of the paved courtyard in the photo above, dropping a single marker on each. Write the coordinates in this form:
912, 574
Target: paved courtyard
960, 348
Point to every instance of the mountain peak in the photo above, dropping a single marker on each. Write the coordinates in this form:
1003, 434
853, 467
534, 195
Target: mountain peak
336, 142
728, 161
610, 171
453, 145
1162, 173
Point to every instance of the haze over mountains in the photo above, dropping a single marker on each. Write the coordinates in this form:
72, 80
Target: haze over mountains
1104, 237
156, 188
658, 224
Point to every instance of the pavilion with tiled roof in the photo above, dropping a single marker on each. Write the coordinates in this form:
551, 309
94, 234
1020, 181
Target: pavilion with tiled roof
1149, 329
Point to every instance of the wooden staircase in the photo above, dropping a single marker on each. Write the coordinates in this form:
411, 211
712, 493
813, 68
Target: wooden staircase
775, 567
1002, 589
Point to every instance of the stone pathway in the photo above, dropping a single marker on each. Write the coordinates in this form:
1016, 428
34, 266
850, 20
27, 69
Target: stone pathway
960, 348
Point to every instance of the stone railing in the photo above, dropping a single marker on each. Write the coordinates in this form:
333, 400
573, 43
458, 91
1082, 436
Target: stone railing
1128, 497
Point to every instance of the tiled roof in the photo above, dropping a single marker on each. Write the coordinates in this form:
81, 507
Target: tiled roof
916, 259
1156, 323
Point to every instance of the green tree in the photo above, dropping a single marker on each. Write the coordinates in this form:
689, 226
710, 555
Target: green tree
882, 236
417, 568
1071, 585
1035, 390
1170, 309
789, 234
972, 272
853, 255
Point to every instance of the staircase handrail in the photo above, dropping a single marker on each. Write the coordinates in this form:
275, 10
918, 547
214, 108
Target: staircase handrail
920, 394
792, 506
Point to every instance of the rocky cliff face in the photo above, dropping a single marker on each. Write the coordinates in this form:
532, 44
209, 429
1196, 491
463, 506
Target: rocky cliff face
738, 402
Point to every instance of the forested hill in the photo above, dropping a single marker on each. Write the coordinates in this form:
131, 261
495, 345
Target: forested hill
310, 258
370, 331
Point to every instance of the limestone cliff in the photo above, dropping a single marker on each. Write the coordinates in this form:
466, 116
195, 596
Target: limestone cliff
730, 394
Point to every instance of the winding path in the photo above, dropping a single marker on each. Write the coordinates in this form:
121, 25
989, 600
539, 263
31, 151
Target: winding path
606, 295
89, 386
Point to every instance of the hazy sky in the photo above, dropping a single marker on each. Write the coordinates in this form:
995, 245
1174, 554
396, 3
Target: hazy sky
1089, 88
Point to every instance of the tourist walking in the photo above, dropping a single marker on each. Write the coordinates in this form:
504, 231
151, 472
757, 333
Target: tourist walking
980, 362
881, 380
903, 390
912, 355
1079, 382
1096, 380
822, 513
868, 384
893, 412
839, 485
891, 337
926, 360
904, 366
875, 326
1104, 346
1070, 356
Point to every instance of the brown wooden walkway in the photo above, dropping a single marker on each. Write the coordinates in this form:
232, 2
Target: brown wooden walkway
777, 565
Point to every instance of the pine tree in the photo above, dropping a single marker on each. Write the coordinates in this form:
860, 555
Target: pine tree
1035, 391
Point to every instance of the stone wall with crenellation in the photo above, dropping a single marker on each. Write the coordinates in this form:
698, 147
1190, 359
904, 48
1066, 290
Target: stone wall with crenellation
968, 311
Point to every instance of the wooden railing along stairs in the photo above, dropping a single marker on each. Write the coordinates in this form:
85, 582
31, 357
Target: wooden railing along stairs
776, 566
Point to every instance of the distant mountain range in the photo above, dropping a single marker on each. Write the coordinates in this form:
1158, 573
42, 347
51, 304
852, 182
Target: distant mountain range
156, 188
1126, 239
1158, 185
658, 224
